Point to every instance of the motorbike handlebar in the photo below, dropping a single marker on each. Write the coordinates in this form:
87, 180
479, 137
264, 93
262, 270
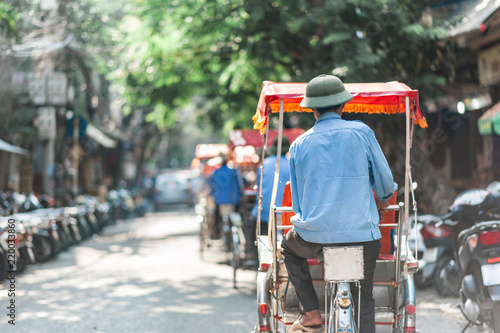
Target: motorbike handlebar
443, 219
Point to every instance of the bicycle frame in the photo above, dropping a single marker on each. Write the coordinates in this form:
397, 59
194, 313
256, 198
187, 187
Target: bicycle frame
341, 318
342, 265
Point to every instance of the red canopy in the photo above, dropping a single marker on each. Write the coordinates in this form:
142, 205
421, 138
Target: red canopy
248, 137
385, 97
209, 150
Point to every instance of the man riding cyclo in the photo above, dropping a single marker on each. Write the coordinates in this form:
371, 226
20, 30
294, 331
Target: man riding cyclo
335, 168
225, 187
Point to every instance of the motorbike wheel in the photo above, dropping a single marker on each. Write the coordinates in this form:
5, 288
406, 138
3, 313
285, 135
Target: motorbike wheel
420, 282
83, 227
23, 260
496, 318
93, 223
3, 265
43, 248
63, 238
75, 233
55, 239
446, 280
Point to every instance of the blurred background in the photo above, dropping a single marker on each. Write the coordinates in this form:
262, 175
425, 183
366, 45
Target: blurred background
99, 95
114, 114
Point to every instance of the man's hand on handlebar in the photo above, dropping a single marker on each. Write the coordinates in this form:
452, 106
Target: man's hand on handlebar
381, 206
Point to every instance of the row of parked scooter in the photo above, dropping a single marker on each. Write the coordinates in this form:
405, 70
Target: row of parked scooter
32, 231
459, 253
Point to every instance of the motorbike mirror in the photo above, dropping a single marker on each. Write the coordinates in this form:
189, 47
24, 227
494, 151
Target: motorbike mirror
445, 217
491, 202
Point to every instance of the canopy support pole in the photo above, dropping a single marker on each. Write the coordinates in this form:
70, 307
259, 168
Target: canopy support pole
277, 167
272, 228
259, 195
407, 169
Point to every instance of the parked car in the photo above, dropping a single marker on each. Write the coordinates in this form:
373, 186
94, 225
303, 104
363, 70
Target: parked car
173, 187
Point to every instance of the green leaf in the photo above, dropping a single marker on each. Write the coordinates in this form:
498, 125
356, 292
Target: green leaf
415, 29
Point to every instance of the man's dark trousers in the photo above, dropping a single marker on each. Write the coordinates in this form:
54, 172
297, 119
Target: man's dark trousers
296, 251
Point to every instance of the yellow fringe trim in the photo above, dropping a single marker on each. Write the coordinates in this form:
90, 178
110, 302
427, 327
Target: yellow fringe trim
259, 123
356, 108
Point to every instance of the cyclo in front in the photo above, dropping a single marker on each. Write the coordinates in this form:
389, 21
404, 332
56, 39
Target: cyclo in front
393, 291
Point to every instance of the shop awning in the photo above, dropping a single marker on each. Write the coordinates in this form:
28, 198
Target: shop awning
489, 123
99, 137
11, 148
471, 15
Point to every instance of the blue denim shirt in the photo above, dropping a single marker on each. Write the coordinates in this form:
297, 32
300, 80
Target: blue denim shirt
267, 185
335, 168
224, 186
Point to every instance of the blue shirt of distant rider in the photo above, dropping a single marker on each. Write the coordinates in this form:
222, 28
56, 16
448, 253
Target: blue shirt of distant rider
267, 185
225, 186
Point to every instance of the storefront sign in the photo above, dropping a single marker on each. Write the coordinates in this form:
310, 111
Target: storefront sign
47, 89
46, 123
489, 66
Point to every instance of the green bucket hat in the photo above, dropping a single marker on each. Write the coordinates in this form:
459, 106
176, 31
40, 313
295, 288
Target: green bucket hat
323, 91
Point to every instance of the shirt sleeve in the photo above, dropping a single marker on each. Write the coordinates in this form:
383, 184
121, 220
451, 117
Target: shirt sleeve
293, 186
380, 173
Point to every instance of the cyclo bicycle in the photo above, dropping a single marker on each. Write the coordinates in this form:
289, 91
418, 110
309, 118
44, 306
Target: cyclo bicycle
231, 236
393, 291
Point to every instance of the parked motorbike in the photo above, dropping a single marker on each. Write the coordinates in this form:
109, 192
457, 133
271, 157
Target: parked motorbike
6, 207
435, 251
474, 219
20, 252
77, 216
3, 251
97, 213
141, 203
44, 233
116, 205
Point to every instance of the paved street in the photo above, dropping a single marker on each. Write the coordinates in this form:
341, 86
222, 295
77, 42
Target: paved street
140, 276
145, 275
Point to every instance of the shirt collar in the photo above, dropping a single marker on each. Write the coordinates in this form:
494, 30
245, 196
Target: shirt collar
328, 115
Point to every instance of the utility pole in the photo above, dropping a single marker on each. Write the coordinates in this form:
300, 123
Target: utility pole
76, 146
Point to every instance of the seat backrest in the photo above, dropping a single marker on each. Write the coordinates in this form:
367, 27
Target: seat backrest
387, 240
287, 202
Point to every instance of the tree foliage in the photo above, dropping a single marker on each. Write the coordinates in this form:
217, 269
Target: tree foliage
224, 49
8, 21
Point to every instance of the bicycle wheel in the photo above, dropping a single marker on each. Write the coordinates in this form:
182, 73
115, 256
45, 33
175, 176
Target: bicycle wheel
204, 237
236, 252
227, 235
